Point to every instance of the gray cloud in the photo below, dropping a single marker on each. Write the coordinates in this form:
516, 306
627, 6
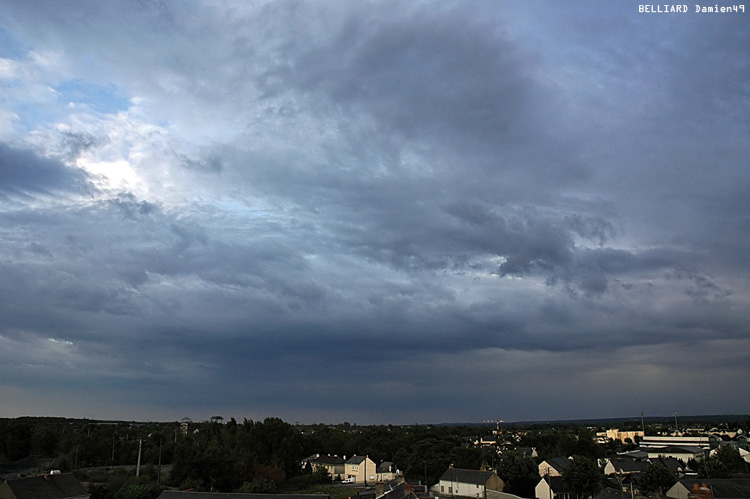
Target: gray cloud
432, 71
24, 172
499, 205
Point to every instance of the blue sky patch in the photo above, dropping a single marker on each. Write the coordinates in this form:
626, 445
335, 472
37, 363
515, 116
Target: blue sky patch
103, 98
10, 47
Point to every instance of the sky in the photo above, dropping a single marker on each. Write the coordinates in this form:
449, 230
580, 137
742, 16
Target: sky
373, 212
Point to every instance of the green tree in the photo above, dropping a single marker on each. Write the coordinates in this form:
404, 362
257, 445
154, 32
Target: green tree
138, 491
321, 475
18, 441
730, 458
657, 478
44, 441
711, 467
469, 458
430, 457
259, 486
583, 477
519, 472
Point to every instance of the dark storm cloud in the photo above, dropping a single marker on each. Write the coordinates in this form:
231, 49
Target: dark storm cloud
445, 85
433, 70
319, 211
24, 172
425, 77
430, 236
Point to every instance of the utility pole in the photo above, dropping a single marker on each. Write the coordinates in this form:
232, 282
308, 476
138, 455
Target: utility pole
643, 426
158, 478
138, 465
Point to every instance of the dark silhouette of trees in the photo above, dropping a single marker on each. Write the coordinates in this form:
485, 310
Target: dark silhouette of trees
265, 456
569, 440
519, 472
656, 478
730, 458
583, 476
722, 464
225, 457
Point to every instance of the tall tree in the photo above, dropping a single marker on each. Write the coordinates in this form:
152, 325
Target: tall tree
656, 478
730, 458
519, 472
583, 477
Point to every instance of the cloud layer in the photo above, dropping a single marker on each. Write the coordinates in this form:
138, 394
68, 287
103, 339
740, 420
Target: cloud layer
379, 213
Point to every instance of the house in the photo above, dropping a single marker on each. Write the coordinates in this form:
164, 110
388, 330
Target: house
360, 469
661, 441
723, 488
335, 465
553, 466
552, 487
624, 466
55, 485
394, 489
628, 471
634, 454
683, 454
309, 459
528, 451
631, 484
682, 448
603, 437
386, 471
457, 482
676, 466
418, 489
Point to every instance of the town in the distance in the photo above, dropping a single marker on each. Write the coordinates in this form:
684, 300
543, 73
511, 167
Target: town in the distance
705, 457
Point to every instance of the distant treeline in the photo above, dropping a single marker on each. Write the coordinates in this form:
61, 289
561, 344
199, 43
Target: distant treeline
263, 456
